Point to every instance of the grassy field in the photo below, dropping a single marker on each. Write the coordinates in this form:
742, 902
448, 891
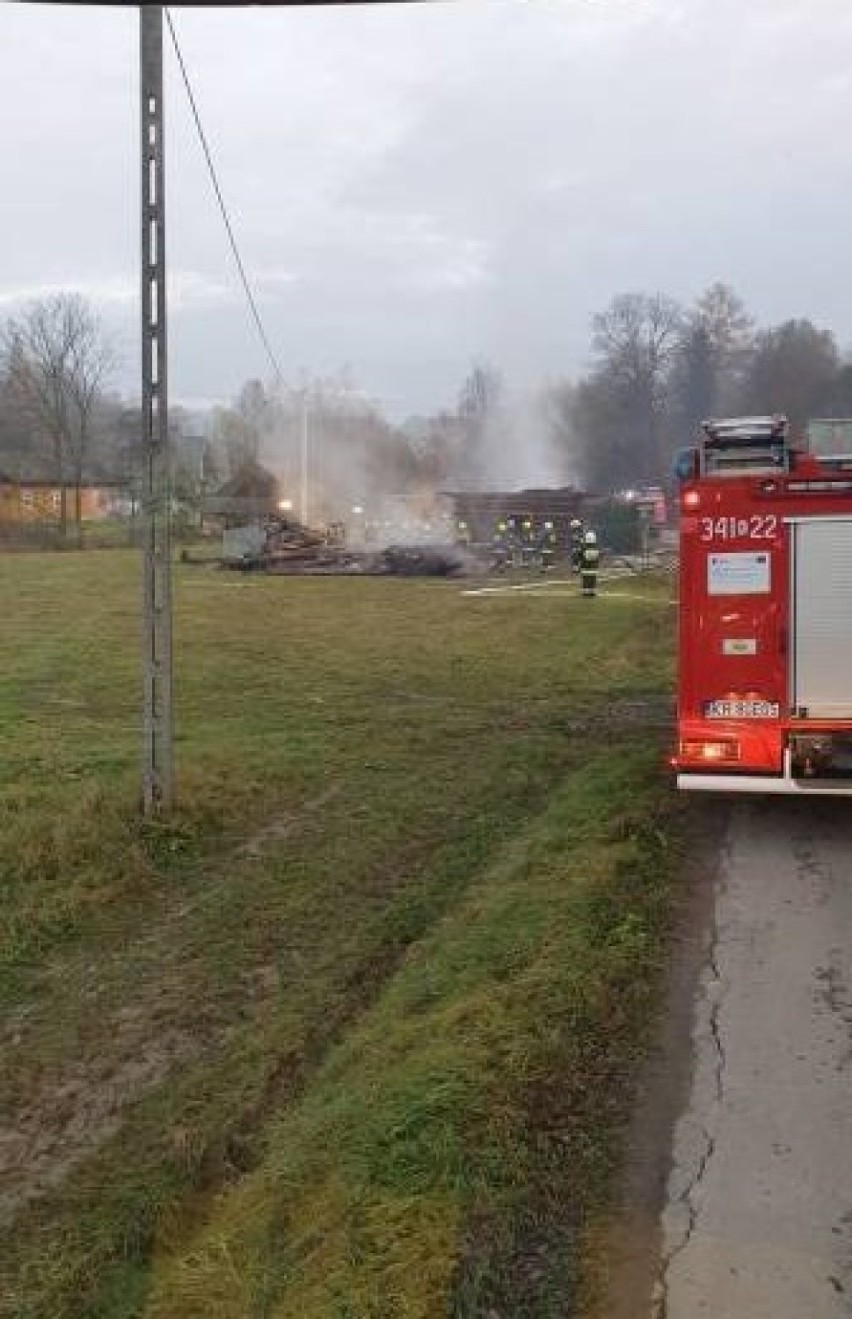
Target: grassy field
350, 1035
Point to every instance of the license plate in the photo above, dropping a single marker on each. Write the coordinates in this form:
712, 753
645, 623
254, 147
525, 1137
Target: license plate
741, 710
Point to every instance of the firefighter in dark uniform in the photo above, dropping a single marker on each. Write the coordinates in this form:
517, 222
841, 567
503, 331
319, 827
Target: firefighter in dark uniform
589, 561
527, 542
500, 544
577, 534
513, 540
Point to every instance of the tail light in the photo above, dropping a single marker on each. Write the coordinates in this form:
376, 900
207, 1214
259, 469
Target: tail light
720, 748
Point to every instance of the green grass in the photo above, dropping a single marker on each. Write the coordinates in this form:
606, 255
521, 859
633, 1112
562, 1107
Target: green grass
350, 1035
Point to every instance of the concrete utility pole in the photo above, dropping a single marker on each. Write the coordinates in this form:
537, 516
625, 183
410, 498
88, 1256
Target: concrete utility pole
157, 730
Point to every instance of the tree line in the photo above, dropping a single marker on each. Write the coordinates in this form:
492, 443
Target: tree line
657, 369
62, 423
660, 368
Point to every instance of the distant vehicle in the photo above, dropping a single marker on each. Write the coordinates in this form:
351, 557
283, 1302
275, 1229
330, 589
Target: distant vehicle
765, 613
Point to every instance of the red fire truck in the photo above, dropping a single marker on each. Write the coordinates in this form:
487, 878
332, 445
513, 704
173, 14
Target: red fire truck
765, 603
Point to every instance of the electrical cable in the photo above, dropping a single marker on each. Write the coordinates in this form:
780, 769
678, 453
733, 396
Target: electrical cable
205, 146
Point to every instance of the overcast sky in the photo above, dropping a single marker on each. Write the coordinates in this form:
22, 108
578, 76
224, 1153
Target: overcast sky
414, 186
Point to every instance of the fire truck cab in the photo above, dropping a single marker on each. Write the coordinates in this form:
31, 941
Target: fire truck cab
765, 613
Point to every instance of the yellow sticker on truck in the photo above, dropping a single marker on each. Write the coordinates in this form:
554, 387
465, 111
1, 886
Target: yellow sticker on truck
739, 646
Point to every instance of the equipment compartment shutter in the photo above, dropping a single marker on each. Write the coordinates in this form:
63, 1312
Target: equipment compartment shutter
822, 618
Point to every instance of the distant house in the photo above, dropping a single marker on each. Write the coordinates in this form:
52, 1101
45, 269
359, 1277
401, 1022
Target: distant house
33, 499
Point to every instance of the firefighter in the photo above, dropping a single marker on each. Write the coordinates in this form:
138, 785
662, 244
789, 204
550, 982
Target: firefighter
527, 541
577, 536
513, 540
462, 532
589, 560
547, 548
500, 543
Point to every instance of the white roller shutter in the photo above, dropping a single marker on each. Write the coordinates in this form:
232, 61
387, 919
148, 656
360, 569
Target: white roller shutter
821, 617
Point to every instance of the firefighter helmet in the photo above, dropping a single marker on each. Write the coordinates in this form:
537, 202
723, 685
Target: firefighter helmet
591, 538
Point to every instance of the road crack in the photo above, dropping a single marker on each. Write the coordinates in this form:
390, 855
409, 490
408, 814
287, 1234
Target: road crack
687, 1202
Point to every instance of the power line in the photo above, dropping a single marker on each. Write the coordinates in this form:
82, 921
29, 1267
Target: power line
264, 337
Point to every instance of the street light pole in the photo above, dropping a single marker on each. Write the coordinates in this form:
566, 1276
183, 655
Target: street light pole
303, 512
157, 726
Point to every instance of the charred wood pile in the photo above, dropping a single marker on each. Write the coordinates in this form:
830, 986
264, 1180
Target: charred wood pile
283, 545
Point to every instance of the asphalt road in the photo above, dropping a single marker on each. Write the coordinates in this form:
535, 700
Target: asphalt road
758, 1219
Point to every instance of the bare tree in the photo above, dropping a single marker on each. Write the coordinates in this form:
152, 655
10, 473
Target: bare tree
694, 383
479, 409
16, 441
637, 335
254, 409
57, 362
234, 439
636, 341
728, 330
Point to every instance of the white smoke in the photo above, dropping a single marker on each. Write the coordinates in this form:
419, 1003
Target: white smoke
523, 441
